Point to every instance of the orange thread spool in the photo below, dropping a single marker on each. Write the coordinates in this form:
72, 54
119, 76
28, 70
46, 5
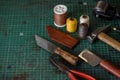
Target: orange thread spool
60, 13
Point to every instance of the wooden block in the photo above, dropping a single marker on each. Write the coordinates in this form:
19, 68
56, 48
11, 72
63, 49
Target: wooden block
61, 37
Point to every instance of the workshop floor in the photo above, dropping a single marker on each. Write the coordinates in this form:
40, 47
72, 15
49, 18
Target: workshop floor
21, 59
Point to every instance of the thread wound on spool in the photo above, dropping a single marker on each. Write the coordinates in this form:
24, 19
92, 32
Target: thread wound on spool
83, 30
60, 12
71, 24
85, 19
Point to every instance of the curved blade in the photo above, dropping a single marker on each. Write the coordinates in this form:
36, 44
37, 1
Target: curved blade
43, 43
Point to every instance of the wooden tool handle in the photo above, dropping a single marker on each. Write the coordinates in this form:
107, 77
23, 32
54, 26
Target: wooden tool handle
67, 56
110, 67
110, 41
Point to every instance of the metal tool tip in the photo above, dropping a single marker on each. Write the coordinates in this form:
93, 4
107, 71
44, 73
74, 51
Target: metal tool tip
36, 36
37, 39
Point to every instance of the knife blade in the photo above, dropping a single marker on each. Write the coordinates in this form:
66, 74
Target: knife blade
50, 47
94, 60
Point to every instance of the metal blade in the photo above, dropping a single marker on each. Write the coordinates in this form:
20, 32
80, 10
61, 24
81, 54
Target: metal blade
94, 34
50, 47
89, 57
102, 29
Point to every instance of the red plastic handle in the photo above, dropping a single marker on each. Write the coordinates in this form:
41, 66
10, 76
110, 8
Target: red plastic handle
80, 74
71, 76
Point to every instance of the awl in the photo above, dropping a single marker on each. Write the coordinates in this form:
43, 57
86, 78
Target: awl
94, 60
50, 47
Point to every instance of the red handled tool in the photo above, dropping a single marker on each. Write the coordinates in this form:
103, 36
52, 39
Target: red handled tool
71, 73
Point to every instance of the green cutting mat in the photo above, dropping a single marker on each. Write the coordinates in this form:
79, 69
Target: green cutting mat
21, 59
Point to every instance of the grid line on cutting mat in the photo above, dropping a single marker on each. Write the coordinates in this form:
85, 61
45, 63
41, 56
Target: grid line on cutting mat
22, 59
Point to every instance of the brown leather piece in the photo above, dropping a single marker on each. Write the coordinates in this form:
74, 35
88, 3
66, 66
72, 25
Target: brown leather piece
61, 37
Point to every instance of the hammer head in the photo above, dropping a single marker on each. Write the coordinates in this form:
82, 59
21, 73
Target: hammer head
94, 34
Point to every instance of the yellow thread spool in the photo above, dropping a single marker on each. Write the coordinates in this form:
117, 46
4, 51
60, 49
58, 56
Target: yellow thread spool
71, 24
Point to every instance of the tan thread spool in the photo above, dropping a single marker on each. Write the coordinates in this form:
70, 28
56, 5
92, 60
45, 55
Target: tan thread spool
85, 19
60, 13
71, 24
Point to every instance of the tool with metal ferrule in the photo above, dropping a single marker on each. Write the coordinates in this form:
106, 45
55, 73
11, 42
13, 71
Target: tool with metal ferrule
50, 47
94, 60
99, 33
71, 73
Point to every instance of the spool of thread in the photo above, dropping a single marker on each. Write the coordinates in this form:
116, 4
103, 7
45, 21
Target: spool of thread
60, 12
71, 24
83, 30
85, 19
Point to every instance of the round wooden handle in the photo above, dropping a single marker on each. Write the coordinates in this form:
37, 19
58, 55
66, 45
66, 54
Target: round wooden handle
110, 67
110, 41
67, 56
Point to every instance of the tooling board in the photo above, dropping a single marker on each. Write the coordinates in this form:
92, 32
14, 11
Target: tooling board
22, 59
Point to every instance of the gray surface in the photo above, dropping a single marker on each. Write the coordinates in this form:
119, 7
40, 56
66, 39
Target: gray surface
43, 43
90, 57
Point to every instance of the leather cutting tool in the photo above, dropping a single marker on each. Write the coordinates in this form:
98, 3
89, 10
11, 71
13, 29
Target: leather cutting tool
52, 48
71, 72
94, 60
